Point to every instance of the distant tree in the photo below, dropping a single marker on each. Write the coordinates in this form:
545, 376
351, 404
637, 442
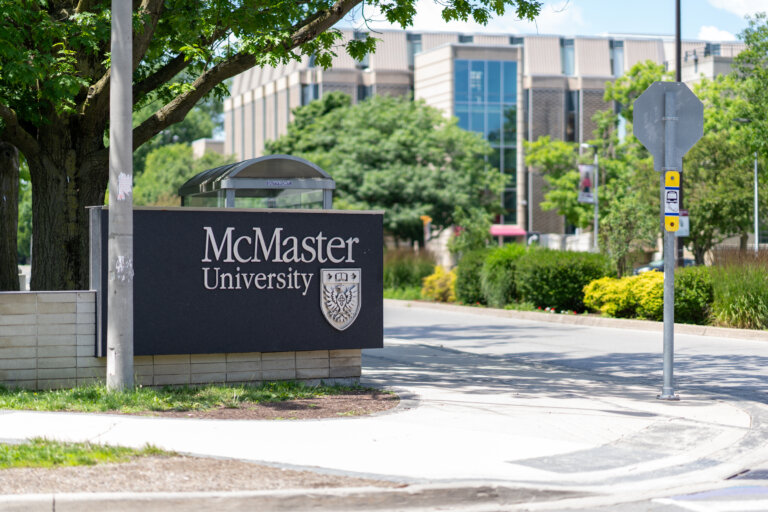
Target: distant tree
751, 67
200, 123
557, 161
717, 171
167, 168
398, 155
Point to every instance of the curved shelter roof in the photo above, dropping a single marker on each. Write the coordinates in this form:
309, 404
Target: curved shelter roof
271, 171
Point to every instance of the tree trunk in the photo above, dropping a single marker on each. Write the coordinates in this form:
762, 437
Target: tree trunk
66, 179
9, 216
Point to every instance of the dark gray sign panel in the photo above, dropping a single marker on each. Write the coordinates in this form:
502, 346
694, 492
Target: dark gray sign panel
650, 116
216, 280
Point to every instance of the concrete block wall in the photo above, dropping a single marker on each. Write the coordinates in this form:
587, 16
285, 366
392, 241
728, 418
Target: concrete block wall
47, 341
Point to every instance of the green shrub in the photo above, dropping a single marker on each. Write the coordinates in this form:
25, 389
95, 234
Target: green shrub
693, 295
497, 277
647, 290
642, 296
440, 286
612, 297
409, 293
740, 296
468, 289
557, 278
404, 268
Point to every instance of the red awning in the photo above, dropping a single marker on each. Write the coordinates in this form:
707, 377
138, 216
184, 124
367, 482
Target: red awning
507, 230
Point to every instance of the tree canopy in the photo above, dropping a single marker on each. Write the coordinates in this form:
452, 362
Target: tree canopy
55, 83
394, 154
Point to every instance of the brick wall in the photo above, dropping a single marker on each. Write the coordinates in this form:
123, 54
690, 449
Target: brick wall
47, 340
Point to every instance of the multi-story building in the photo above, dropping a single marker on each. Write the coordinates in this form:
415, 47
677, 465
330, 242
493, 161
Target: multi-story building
507, 88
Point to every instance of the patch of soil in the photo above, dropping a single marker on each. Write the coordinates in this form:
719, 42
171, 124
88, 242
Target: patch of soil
170, 474
352, 403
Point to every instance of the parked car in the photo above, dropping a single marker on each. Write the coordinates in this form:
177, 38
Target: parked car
658, 266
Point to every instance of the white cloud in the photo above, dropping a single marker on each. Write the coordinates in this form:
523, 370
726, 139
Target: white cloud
556, 17
711, 33
740, 7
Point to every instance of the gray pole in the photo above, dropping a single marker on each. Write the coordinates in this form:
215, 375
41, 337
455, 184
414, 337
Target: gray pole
757, 217
670, 164
120, 255
597, 180
679, 78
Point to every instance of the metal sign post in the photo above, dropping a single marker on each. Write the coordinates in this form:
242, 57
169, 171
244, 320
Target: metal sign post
669, 119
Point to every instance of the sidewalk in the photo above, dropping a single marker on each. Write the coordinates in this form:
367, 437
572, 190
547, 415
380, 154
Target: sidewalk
472, 428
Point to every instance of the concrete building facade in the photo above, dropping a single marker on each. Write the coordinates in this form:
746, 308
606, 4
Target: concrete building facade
507, 88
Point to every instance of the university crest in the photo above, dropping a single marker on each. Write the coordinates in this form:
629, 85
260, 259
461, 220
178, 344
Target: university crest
340, 296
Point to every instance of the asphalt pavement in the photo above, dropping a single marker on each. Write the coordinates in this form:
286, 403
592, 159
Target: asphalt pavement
498, 413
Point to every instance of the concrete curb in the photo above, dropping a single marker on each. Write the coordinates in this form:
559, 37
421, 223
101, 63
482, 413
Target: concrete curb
588, 320
481, 496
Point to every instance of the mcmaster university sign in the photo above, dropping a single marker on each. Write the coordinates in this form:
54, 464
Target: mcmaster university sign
226, 280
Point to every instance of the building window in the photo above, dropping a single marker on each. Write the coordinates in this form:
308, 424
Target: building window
312, 59
466, 39
509, 203
571, 116
567, 57
364, 92
364, 63
617, 58
712, 49
515, 40
309, 92
413, 46
477, 81
485, 101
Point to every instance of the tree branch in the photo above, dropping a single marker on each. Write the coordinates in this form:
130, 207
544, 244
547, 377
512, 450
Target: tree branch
16, 135
177, 109
141, 41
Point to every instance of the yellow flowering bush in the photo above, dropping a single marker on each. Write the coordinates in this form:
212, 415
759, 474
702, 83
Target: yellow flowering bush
440, 286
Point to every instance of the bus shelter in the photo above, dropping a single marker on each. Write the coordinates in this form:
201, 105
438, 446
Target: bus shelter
272, 181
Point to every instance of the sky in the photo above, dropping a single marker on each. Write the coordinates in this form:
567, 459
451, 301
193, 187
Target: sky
712, 20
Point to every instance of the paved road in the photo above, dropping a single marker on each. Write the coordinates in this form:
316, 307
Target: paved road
591, 366
725, 364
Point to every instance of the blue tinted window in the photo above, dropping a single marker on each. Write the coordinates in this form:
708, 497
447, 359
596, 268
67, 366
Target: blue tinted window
510, 165
462, 112
510, 82
510, 206
493, 128
461, 80
476, 122
493, 91
494, 159
510, 126
566, 56
477, 81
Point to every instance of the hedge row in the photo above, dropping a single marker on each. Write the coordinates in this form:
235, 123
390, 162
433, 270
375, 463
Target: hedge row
543, 277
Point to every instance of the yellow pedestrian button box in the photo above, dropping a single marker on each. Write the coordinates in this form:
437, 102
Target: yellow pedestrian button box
672, 179
671, 223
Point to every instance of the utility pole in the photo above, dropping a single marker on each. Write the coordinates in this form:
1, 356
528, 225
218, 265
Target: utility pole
120, 252
679, 78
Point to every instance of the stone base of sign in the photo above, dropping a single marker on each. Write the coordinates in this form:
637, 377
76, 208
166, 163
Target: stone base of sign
47, 341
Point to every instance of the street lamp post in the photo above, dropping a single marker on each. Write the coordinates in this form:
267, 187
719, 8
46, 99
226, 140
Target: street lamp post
594, 191
756, 211
757, 223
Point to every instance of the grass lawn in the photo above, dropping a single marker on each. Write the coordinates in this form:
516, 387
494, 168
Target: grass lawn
96, 398
41, 453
